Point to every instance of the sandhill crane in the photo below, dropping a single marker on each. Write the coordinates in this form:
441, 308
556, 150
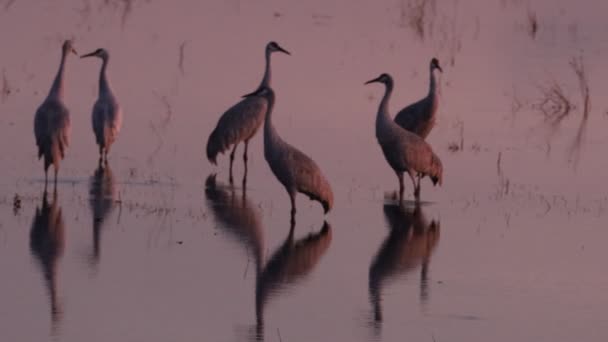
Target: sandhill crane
52, 121
404, 151
241, 121
420, 116
237, 216
410, 243
290, 263
102, 199
107, 114
295, 170
46, 245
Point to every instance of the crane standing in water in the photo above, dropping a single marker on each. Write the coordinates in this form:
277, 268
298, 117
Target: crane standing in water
404, 151
241, 121
295, 170
107, 114
52, 121
420, 117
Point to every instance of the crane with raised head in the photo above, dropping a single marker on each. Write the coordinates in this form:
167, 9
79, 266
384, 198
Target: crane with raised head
404, 151
52, 120
241, 121
107, 114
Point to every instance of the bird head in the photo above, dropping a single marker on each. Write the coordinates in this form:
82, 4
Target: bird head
101, 53
384, 79
435, 65
68, 46
274, 47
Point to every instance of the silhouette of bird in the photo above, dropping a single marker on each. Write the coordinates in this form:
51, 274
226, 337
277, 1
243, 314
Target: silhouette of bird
404, 151
295, 170
47, 243
107, 114
102, 198
241, 121
420, 116
410, 243
290, 263
52, 120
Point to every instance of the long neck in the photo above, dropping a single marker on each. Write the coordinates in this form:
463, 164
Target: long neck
266, 80
57, 87
383, 110
432, 84
269, 131
104, 85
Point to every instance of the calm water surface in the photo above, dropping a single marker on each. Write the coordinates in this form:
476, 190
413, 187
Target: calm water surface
159, 247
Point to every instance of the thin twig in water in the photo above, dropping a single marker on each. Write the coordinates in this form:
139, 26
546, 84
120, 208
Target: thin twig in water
578, 66
182, 47
532, 24
6, 89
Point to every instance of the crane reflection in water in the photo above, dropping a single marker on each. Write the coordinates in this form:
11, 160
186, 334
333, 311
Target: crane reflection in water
47, 243
102, 199
410, 243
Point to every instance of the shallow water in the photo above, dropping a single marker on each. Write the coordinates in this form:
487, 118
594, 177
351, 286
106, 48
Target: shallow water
156, 248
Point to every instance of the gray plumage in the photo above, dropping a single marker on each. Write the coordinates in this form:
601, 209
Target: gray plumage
52, 121
107, 113
241, 121
420, 117
404, 151
295, 170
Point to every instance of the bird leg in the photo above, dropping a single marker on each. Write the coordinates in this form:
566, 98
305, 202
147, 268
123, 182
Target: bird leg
401, 188
292, 197
55, 183
100, 155
231, 161
245, 159
416, 186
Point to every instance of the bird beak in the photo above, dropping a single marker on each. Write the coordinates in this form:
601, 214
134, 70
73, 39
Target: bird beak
283, 50
74, 51
377, 79
441, 70
88, 55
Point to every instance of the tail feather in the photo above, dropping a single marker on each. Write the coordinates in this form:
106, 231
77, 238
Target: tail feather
321, 193
214, 147
436, 170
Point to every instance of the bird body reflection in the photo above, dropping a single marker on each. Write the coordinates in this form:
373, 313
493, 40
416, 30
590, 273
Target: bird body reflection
410, 243
47, 242
291, 262
236, 215
102, 197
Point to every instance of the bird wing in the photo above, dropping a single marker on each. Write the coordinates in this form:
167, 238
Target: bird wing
308, 177
238, 123
52, 123
412, 116
41, 129
417, 152
107, 119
